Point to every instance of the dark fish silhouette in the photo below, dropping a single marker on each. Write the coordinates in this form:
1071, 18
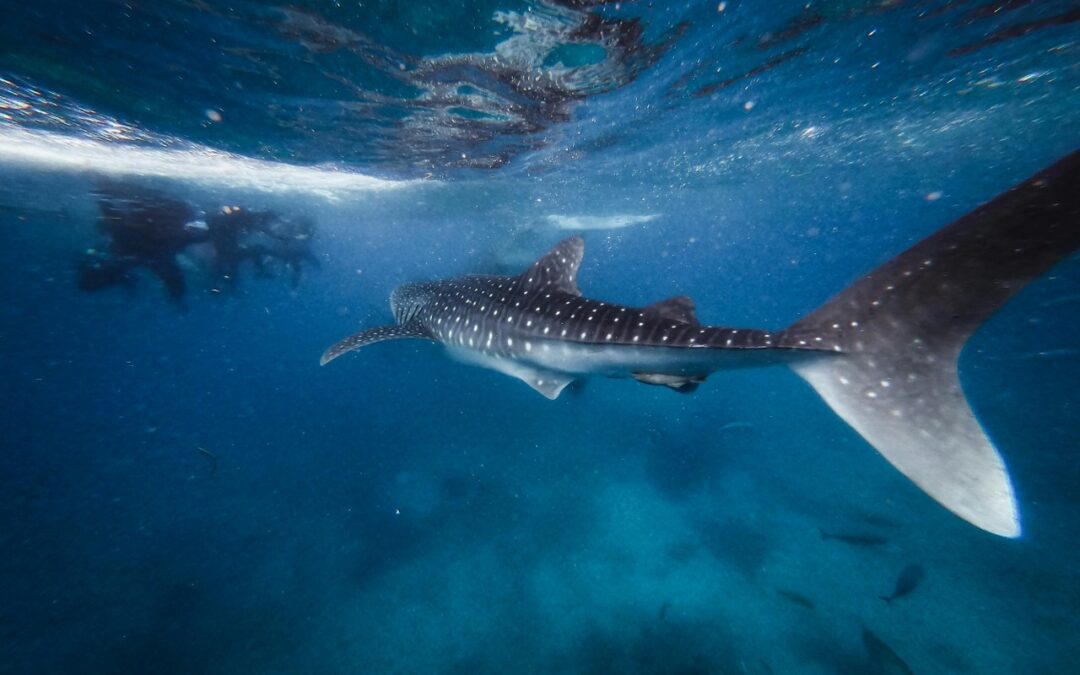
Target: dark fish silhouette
662, 613
882, 656
882, 353
854, 538
878, 520
210, 456
908, 581
796, 597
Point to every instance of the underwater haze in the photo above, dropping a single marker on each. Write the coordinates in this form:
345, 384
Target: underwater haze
199, 197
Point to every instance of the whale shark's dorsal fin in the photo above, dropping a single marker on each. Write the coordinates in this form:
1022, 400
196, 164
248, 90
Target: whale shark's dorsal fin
557, 269
680, 308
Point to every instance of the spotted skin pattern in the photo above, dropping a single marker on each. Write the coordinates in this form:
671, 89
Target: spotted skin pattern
508, 317
882, 353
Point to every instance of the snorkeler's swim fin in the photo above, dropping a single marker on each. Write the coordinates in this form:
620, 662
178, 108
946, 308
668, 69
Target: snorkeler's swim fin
900, 330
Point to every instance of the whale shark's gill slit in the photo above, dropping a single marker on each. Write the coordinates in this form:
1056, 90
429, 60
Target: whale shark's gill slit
901, 328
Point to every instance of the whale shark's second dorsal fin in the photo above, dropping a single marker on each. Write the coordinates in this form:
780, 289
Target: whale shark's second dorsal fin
680, 308
557, 269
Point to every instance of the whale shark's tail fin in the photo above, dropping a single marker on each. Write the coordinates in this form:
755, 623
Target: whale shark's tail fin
900, 329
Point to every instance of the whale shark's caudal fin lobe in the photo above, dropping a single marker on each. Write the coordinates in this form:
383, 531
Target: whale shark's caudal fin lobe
899, 331
915, 415
372, 335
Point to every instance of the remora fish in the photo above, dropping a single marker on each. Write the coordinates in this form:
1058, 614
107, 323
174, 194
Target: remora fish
854, 538
907, 582
882, 353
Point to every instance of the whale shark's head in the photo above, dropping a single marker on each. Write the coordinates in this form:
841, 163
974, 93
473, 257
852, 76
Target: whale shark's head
407, 300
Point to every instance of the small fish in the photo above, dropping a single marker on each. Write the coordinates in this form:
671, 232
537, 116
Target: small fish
797, 598
1061, 300
736, 425
662, 614
908, 581
762, 667
882, 656
879, 520
211, 456
854, 538
1052, 354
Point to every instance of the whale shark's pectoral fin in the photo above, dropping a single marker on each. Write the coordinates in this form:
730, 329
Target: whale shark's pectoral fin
680, 383
413, 329
680, 308
547, 383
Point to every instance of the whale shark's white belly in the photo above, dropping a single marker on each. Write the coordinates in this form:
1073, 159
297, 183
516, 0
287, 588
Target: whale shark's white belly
578, 359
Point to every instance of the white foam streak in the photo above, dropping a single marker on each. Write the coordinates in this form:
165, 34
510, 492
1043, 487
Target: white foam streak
190, 163
612, 222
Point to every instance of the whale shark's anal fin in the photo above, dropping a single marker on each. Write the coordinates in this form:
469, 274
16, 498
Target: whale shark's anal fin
900, 330
413, 329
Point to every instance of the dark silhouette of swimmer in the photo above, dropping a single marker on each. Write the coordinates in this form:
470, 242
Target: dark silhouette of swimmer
232, 231
145, 228
262, 237
290, 245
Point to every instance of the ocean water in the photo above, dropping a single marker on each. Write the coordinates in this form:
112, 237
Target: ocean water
184, 490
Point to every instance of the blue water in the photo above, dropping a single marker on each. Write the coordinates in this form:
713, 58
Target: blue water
184, 490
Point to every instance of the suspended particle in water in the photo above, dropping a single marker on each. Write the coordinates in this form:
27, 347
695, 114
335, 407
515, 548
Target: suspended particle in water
749, 105
933, 196
213, 115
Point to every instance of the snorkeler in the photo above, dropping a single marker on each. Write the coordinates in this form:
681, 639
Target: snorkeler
232, 231
263, 237
145, 228
290, 244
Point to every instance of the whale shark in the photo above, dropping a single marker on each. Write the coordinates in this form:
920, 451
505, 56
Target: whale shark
882, 353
